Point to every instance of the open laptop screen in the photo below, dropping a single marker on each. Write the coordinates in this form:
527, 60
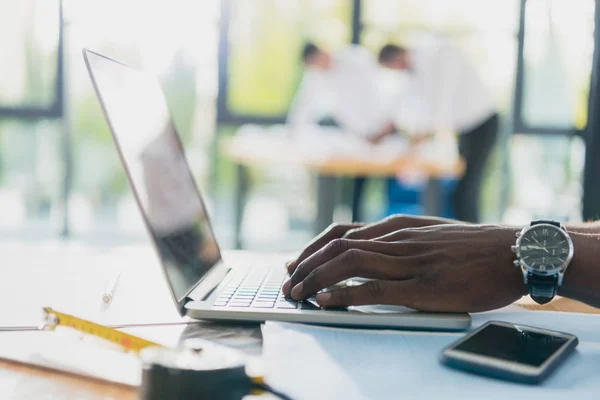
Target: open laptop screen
158, 172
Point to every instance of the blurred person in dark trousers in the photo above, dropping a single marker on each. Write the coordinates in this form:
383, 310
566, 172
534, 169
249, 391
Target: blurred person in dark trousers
447, 86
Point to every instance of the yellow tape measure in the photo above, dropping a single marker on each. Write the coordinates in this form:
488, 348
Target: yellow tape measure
200, 367
128, 342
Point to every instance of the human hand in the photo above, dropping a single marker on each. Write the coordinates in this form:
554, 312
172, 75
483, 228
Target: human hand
375, 139
387, 129
451, 268
333, 231
364, 232
418, 139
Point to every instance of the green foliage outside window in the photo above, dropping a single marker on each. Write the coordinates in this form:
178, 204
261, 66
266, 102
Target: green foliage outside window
265, 40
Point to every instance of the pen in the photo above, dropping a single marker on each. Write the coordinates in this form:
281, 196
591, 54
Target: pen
109, 293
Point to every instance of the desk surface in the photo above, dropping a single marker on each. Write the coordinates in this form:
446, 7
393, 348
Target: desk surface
72, 271
283, 152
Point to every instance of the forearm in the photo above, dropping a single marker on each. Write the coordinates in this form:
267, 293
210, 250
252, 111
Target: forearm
582, 278
586, 227
385, 131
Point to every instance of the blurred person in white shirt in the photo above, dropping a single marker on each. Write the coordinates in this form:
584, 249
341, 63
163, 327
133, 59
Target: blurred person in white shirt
451, 98
341, 87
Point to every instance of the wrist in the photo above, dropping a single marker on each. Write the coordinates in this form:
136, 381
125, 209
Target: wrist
515, 281
582, 277
544, 250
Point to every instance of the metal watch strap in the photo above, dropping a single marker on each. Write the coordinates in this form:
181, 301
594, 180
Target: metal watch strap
542, 221
542, 289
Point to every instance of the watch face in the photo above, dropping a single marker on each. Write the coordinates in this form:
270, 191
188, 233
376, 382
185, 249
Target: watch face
544, 248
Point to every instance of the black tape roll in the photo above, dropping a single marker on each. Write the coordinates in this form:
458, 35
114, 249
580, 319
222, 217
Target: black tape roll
160, 383
212, 373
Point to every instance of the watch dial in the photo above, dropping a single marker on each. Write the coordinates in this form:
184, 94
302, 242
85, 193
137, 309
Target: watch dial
544, 248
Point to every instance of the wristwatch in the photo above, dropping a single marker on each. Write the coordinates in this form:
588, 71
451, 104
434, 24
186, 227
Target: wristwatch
543, 250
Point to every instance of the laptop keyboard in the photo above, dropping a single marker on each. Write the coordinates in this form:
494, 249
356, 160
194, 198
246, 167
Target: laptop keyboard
260, 288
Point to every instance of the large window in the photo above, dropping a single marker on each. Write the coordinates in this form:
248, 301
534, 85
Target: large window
265, 38
28, 50
551, 106
534, 55
559, 43
30, 166
176, 40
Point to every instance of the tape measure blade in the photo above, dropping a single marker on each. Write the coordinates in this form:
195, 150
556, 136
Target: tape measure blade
125, 340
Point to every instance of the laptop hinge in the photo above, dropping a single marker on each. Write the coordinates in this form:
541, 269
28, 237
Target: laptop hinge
209, 283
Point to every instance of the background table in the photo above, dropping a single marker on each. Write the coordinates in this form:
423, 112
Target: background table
328, 171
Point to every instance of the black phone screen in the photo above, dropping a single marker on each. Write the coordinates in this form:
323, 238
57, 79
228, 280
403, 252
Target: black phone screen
513, 344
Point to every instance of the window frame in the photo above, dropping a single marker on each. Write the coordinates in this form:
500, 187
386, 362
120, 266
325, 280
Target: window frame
56, 108
591, 188
520, 126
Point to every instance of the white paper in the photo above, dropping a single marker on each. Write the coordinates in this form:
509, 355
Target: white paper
69, 353
309, 362
315, 143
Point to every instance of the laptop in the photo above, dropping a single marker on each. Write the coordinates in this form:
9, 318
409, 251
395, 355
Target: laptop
202, 285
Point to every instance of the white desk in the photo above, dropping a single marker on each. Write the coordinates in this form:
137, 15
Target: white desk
71, 278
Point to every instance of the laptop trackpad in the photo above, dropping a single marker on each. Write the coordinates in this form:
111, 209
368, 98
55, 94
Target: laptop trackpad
381, 309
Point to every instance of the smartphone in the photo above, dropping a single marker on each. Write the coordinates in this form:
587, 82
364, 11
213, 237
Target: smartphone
510, 351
